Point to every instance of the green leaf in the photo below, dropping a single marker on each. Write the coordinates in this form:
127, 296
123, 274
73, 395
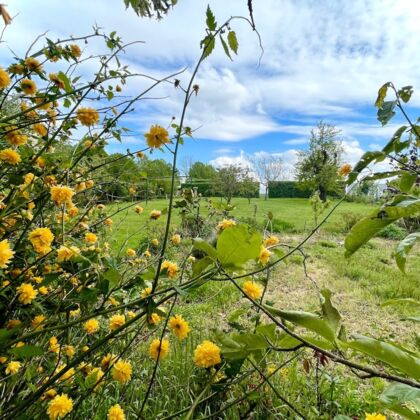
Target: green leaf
381, 95
305, 319
404, 247
390, 146
405, 93
87, 295
240, 346
225, 47
364, 161
386, 112
208, 43
210, 19
329, 312
237, 245
25, 352
233, 41
65, 79
113, 277
396, 396
200, 265
387, 353
381, 175
407, 180
204, 246
362, 231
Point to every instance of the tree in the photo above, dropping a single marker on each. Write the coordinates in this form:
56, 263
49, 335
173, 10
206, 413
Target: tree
228, 181
317, 167
268, 168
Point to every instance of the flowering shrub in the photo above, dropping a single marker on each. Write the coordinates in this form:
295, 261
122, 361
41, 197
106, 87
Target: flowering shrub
78, 319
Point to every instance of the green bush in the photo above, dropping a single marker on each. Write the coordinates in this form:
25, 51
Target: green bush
280, 225
394, 232
287, 189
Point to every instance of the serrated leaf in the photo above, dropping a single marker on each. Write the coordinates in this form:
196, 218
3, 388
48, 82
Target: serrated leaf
233, 41
208, 45
200, 265
404, 247
386, 112
407, 180
390, 146
387, 353
307, 320
381, 95
225, 46
237, 245
405, 93
210, 19
329, 312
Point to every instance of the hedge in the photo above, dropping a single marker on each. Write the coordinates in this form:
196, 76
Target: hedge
287, 189
208, 189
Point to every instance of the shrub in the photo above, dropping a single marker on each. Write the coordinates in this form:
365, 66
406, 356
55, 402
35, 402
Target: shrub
280, 225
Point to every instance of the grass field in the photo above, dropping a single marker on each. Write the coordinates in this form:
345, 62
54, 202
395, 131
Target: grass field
359, 285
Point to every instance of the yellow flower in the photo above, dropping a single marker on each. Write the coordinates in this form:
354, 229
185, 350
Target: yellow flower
116, 413
62, 194
179, 326
73, 211
140, 155
131, 252
3, 359
116, 322
157, 136
271, 240
43, 290
4, 79
252, 289
15, 137
28, 86
191, 259
155, 242
27, 293
33, 64
176, 239
147, 253
91, 326
69, 351
90, 183
146, 292
75, 50
131, 314
13, 323
121, 371
40, 129
16, 69
264, 256
49, 395
159, 349
107, 361
207, 354
67, 253
37, 322
54, 347
138, 209
56, 80
87, 116
374, 416
154, 319
171, 267
345, 169
225, 223
155, 214
41, 239
108, 222
74, 313
60, 406
6, 254
13, 367
90, 237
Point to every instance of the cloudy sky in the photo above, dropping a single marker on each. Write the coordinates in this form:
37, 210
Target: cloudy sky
323, 60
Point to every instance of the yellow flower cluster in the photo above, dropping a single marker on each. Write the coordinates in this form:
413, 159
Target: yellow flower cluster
91, 326
41, 239
252, 289
345, 169
87, 116
171, 267
4, 79
61, 194
176, 239
179, 326
6, 253
271, 240
264, 256
224, 224
116, 413
155, 214
60, 406
66, 253
26, 293
207, 354
10, 156
157, 137
116, 322
15, 136
122, 371
159, 349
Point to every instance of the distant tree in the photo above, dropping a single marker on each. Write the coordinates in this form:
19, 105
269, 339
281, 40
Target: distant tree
268, 168
157, 175
317, 167
249, 188
202, 171
228, 181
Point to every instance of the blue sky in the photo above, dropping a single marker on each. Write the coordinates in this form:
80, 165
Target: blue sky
322, 60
